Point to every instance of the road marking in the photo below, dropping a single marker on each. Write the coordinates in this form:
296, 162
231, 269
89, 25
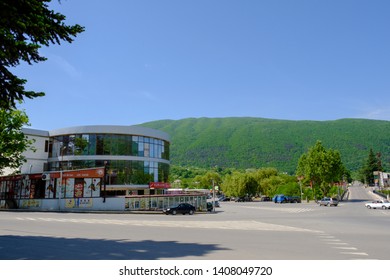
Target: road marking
231, 225
284, 209
345, 248
326, 236
336, 244
354, 253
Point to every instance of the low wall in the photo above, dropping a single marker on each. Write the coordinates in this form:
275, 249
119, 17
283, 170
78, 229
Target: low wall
132, 203
73, 204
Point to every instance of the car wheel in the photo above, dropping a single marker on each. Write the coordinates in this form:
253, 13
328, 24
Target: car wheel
191, 212
369, 207
384, 207
174, 212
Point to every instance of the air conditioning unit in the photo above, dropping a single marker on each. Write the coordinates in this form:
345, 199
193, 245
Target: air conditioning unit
46, 176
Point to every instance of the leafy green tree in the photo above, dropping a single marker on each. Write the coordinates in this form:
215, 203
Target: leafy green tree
372, 163
240, 184
206, 181
12, 140
320, 167
26, 26
265, 186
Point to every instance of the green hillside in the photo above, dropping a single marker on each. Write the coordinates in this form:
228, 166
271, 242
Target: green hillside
258, 142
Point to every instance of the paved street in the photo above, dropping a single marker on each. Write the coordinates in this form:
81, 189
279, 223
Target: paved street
250, 230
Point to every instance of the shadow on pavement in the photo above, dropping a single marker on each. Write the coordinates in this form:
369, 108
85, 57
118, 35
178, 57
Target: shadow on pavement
14, 247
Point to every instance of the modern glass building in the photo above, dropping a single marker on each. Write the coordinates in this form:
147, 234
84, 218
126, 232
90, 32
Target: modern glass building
133, 155
97, 167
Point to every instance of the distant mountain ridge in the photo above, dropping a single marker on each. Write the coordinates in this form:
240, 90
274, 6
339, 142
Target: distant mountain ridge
244, 142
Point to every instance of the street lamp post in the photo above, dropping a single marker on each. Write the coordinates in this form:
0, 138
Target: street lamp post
60, 184
60, 191
105, 181
213, 196
300, 178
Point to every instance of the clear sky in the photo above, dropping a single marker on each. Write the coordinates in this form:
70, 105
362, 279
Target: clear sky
145, 60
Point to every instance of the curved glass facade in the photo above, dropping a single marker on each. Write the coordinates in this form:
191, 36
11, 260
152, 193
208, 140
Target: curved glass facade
131, 159
108, 144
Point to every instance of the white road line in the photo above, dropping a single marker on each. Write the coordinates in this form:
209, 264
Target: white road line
231, 225
345, 248
354, 253
336, 244
285, 209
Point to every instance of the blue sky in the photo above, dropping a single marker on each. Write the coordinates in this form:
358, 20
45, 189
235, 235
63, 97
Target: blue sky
144, 60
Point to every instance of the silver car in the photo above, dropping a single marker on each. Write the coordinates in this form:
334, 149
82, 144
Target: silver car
328, 201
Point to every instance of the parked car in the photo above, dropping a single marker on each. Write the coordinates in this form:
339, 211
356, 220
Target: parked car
383, 204
216, 202
243, 199
265, 198
281, 198
182, 208
328, 201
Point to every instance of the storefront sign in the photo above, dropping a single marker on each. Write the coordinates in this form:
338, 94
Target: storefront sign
159, 185
85, 173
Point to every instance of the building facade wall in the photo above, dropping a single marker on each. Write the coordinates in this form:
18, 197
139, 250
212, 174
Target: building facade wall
133, 155
60, 174
36, 160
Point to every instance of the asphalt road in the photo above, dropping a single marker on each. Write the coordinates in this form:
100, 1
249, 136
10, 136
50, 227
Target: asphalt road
237, 231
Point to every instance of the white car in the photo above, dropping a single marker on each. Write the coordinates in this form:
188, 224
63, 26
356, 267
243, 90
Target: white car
383, 204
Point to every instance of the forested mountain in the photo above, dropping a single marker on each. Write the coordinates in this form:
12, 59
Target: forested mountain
256, 142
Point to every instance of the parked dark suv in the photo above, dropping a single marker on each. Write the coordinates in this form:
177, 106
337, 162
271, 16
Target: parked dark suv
182, 208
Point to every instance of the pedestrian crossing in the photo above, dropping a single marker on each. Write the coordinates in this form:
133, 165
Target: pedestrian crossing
341, 247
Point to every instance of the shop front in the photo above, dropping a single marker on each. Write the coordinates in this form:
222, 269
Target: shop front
85, 189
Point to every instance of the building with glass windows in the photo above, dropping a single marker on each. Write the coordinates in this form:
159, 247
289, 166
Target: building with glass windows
134, 156
96, 167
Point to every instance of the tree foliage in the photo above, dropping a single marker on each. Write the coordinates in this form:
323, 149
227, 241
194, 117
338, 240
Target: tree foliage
321, 168
244, 143
26, 26
371, 164
12, 141
255, 182
207, 180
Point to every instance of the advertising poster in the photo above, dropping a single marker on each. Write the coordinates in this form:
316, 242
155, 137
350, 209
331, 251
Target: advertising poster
31, 203
69, 203
83, 203
91, 187
78, 203
79, 187
95, 187
49, 189
69, 187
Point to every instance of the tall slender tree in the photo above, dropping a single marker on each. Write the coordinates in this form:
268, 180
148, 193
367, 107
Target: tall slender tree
371, 164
